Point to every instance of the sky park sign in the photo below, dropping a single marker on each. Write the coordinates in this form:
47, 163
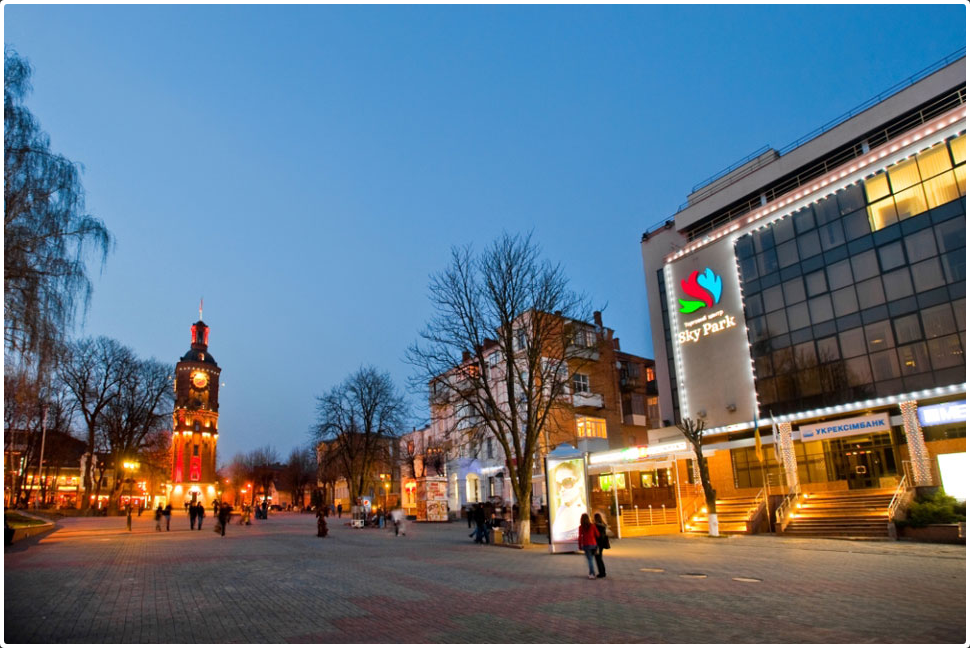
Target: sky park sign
705, 290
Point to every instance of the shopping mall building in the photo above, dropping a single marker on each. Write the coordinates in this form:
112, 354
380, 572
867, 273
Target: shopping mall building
823, 287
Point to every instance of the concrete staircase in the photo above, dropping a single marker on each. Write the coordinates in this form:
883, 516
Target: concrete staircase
842, 514
733, 515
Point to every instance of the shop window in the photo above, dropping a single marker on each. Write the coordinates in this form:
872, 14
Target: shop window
927, 275
877, 187
941, 189
960, 173
851, 198
945, 352
934, 161
773, 298
809, 245
831, 235
903, 175
958, 149
784, 230
907, 328
897, 284
885, 365
920, 245
839, 275
820, 308
891, 256
870, 293
960, 308
914, 359
882, 214
844, 301
955, 266
794, 291
828, 349
879, 336
952, 235
938, 321
910, 202
857, 371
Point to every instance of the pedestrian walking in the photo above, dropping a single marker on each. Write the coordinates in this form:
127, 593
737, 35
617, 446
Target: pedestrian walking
225, 513
480, 536
193, 514
340, 509
587, 542
168, 516
158, 518
602, 542
470, 516
201, 509
397, 515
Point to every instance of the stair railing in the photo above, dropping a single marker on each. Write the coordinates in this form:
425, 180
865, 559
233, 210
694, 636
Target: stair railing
901, 491
784, 510
690, 503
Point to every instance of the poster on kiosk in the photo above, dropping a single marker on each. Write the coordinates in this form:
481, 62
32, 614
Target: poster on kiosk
566, 486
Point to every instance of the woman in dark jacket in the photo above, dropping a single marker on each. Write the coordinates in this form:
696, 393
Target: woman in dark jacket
602, 542
588, 536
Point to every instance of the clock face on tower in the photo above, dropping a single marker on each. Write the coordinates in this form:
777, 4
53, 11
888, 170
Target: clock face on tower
200, 380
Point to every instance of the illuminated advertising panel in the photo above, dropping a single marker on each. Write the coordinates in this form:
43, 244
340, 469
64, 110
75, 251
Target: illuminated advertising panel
943, 413
715, 378
566, 484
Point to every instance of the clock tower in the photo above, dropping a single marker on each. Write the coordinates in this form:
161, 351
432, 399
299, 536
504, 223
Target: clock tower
195, 422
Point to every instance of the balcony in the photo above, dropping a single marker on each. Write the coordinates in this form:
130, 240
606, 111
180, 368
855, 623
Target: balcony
635, 419
586, 399
591, 353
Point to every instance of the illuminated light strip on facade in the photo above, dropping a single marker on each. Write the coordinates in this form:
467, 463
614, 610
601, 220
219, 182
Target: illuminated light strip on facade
674, 331
839, 409
857, 170
949, 125
636, 453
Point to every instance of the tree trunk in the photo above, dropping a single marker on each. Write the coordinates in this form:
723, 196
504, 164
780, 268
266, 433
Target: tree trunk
523, 525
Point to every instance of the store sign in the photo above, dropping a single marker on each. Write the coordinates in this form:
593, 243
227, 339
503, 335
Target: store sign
845, 427
942, 413
712, 323
704, 290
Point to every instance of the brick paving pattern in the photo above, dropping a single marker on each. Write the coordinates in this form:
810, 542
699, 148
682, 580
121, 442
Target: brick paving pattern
92, 582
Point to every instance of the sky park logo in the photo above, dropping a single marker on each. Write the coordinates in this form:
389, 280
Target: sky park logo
704, 288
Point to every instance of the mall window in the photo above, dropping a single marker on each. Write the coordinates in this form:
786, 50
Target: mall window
884, 304
589, 427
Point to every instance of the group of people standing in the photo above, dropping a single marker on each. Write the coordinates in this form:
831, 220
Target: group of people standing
592, 541
221, 510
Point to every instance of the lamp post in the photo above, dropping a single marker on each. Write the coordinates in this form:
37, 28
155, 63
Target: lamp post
129, 466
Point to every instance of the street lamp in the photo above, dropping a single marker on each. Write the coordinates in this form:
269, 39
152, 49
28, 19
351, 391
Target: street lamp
130, 467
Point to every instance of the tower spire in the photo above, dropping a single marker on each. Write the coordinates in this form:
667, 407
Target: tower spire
200, 309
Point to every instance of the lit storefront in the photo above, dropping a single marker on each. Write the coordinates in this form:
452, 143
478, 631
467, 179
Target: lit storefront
829, 313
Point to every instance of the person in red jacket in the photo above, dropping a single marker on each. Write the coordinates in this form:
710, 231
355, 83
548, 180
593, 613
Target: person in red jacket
588, 536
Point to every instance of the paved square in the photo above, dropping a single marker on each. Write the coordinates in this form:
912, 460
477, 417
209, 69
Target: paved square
92, 582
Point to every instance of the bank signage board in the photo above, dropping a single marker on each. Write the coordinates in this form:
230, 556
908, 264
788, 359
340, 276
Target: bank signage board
845, 427
943, 413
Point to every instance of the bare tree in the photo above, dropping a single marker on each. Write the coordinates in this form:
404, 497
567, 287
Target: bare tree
328, 471
239, 472
693, 431
46, 230
156, 458
299, 472
263, 465
359, 420
142, 406
93, 370
511, 387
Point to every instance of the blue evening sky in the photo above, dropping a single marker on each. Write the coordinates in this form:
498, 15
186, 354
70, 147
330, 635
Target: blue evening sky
305, 168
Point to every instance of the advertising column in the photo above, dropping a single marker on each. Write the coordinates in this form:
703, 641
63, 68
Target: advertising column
566, 485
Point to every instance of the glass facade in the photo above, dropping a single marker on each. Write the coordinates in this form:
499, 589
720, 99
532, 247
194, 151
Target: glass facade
863, 293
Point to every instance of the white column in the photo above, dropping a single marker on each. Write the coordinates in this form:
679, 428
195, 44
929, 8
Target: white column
788, 454
918, 454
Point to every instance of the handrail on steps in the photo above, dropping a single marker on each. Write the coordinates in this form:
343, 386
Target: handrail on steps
783, 512
898, 496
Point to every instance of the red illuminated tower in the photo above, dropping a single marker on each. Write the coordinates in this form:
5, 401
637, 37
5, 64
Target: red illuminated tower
195, 422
